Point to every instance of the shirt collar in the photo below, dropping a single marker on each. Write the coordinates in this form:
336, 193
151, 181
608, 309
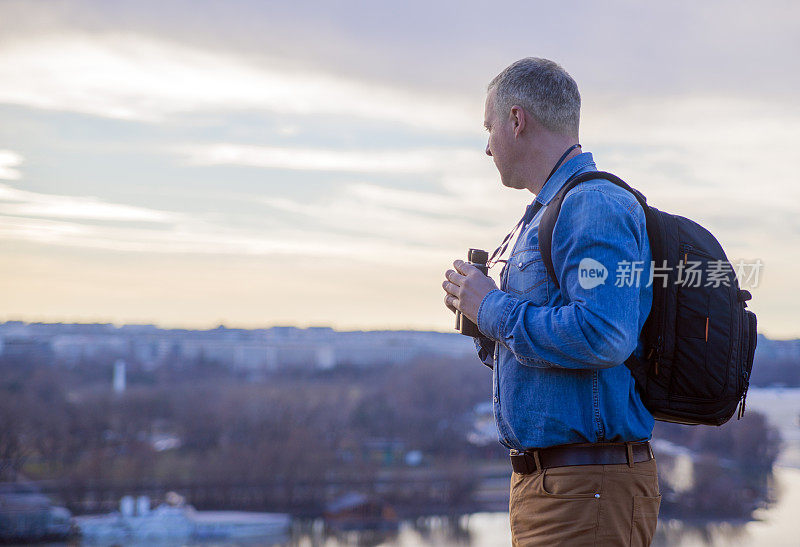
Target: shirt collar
565, 171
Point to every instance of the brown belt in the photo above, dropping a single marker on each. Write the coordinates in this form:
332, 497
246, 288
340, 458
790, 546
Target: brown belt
536, 459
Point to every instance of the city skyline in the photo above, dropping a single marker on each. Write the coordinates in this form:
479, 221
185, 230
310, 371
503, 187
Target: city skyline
255, 165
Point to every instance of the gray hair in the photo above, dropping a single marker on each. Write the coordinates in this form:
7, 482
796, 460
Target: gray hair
543, 89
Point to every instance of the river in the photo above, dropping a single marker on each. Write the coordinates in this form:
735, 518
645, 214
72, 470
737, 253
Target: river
778, 525
775, 525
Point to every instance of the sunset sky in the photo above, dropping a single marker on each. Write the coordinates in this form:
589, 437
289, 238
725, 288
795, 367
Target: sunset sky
296, 163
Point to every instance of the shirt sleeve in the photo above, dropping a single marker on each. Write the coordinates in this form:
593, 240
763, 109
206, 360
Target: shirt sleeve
485, 348
598, 327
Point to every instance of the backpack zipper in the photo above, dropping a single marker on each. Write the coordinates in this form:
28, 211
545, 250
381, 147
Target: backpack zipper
741, 404
655, 353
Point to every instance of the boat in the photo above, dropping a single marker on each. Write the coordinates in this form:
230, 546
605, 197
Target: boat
356, 512
27, 516
176, 521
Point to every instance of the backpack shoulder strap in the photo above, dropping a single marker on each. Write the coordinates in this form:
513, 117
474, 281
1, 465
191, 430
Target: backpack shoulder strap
548, 221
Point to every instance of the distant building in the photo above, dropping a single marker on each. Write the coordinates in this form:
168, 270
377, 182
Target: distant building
36, 349
119, 376
326, 357
251, 351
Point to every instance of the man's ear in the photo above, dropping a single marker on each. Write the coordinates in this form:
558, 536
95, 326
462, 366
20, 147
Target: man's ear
518, 119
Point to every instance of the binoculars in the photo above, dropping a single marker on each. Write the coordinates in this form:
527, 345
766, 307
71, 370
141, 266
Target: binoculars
478, 258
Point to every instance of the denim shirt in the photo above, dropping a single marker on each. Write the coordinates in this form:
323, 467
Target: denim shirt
558, 374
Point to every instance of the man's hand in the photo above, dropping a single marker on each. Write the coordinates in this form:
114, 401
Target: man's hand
466, 286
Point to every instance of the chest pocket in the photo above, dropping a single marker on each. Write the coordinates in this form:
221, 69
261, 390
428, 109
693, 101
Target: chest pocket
527, 276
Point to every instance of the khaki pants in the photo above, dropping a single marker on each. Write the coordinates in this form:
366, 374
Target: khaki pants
585, 505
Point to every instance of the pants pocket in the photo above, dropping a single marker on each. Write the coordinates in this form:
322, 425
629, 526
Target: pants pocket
543, 521
585, 482
566, 513
644, 519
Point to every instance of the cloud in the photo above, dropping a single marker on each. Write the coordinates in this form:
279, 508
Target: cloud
702, 154
90, 222
663, 48
34, 204
706, 131
8, 161
362, 222
134, 77
463, 203
359, 220
200, 237
415, 161
409, 222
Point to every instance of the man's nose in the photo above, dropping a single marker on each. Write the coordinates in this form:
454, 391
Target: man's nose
488, 152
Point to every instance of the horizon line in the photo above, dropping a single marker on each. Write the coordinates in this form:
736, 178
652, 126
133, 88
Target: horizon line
222, 326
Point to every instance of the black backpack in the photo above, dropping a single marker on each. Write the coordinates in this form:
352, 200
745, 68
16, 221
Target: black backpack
699, 340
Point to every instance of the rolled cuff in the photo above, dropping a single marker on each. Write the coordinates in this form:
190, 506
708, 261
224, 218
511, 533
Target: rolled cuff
493, 313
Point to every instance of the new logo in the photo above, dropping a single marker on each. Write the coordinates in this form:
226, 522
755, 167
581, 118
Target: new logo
591, 273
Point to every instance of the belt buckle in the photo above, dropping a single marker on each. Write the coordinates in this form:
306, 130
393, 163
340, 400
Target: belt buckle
524, 460
531, 459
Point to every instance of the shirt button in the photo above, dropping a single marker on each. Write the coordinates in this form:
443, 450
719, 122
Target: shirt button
520, 264
497, 399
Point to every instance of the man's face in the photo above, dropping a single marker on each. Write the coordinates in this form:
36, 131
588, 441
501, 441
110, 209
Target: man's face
502, 142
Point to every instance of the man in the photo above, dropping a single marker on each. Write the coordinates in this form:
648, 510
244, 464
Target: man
564, 402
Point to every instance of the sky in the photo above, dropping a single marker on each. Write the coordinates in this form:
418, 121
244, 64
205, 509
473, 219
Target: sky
251, 164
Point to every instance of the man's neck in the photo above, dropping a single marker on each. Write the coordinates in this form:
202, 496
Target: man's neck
549, 159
